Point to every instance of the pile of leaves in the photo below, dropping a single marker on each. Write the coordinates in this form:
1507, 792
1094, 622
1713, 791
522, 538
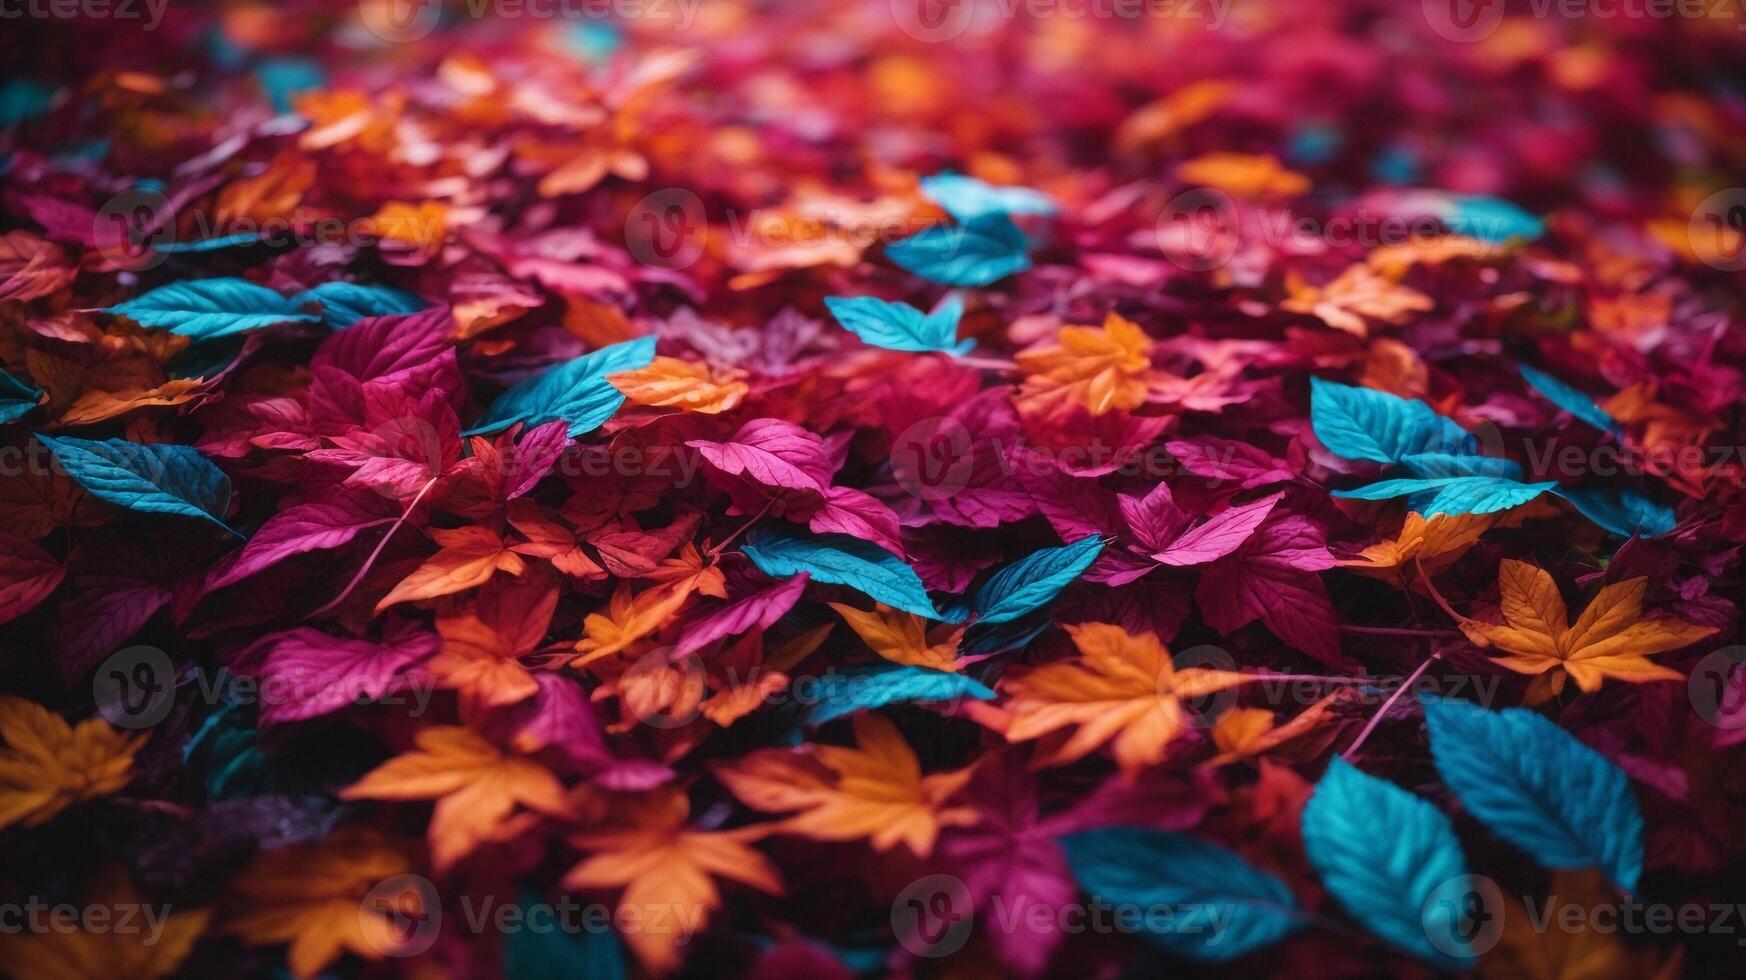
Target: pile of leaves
834, 498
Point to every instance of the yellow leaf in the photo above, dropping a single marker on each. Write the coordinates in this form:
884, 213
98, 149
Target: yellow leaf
139, 943
47, 765
1434, 542
628, 620
1610, 639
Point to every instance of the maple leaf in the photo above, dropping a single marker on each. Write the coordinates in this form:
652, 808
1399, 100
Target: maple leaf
481, 648
1585, 952
1352, 297
1122, 690
687, 385
1610, 639
469, 557
1098, 367
875, 790
312, 896
666, 868
152, 949
628, 620
48, 765
1434, 542
903, 637
475, 784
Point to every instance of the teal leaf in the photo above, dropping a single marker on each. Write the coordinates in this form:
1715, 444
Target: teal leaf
16, 398
1033, 581
561, 950
966, 198
576, 391
161, 478
899, 326
1453, 495
974, 253
1623, 512
1222, 906
840, 560
1388, 857
845, 692
1433, 466
1361, 423
24, 98
208, 244
1489, 219
1568, 398
208, 308
345, 303
1534, 785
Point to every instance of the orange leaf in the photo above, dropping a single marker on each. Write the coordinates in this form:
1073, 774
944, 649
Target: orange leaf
47, 765
148, 951
1100, 367
475, 784
1243, 175
687, 385
627, 620
470, 556
1434, 542
903, 637
1122, 690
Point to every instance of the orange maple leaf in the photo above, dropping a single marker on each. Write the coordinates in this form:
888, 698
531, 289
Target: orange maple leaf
903, 637
421, 226
313, 897
628, 620
875, 790
1353, 297
1122, 690
666, 868
1610, 639
1435, 542
687, 385
469, 557
148, 951
482, 648
47, 765
475, 783
1100, 367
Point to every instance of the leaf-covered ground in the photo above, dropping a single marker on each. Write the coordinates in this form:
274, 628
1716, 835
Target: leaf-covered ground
711, 487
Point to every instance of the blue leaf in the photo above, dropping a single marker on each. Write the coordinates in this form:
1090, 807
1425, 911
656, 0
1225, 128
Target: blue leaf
1568, 398
24, 98
1623, 512
1033, 581
1361, 423
899, 326
1432, 466
281, 78
1388, 857
1489, 219
974, 253
209, 244
1453, 494
1224, 907
840, 560
16, 398
565, 951
208, 308
576, 391
845, 692
1533, 784
345, 303
967, 198
161, 478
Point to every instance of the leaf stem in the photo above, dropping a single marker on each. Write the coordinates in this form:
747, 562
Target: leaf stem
368, 562
1376, 719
